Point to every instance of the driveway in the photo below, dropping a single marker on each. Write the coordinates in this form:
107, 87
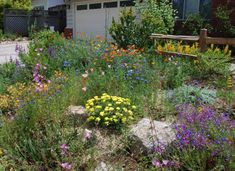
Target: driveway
9, 51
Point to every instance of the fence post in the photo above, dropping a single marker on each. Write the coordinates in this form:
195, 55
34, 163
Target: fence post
202, 40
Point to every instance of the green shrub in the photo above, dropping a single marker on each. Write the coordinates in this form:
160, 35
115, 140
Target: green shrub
194, 23
155, 17
225, 27
124, 32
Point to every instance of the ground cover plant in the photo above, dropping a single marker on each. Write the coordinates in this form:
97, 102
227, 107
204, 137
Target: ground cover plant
118, 87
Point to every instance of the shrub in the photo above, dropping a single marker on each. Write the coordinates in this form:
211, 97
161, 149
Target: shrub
155, 17
110, 110
124, 32
194, 23
225, 27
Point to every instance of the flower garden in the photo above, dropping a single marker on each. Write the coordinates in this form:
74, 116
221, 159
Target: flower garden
115, 90
117, 87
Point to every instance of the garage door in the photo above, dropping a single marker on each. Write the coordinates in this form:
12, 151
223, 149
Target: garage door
94, 19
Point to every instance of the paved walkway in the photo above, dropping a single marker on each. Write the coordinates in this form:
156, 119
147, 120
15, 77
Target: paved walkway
8, 50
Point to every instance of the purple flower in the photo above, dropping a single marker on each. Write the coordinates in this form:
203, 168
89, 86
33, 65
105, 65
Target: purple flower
66, 166
159, 149
64, 149
156, 163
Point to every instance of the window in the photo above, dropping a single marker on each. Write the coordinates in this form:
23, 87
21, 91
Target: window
110, 4
186, 7
95, 6
82, 7
205, 8
127, 3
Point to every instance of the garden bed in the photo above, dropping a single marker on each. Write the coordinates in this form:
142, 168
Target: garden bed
137, 110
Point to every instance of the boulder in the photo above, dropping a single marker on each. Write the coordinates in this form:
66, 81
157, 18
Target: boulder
147, 134
77, 111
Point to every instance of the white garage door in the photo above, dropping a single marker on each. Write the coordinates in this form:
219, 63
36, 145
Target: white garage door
93, 19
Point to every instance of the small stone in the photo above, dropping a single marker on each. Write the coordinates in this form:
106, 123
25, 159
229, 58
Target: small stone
147, 134
104, 167
79, 111
232, 68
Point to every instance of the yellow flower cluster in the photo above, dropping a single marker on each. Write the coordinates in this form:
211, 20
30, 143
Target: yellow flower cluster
173, 47
12, 98
190, 50
110, 110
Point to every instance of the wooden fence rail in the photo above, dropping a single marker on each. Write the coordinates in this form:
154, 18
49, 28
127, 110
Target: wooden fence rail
202, 39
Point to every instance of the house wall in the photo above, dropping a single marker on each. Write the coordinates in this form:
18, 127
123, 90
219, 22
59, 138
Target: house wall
52, 3
47, 3
71, 12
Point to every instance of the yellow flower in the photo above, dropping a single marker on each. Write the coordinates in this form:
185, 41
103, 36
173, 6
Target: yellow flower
90, 118
230, 82
91, 110
1, 152
118, 102
106, 123
98, 107
102, 113
97, 119
133, 107
111, 109
123, 120
109, 104
118, 108
130, 112
200, 109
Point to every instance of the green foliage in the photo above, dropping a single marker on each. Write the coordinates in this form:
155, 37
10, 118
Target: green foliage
225, 27
124, 32
155, 17
192, 95
214, 62
194, 23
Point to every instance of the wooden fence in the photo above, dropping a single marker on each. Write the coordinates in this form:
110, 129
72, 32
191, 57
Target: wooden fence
202, 39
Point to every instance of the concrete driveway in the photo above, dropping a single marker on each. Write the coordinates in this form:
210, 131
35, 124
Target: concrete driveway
9, 50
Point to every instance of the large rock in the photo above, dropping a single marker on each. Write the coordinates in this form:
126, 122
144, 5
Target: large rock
147, 134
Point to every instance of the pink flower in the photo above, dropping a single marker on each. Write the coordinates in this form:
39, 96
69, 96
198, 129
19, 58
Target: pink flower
64, 148
87, 134
66, 166
156, 163
165, 162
